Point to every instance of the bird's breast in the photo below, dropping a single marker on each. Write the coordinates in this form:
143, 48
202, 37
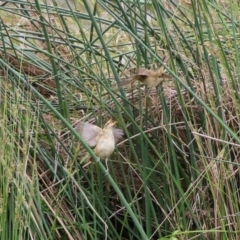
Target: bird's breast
152, 81
105, 145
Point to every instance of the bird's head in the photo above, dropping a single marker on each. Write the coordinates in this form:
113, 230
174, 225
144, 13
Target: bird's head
110, 123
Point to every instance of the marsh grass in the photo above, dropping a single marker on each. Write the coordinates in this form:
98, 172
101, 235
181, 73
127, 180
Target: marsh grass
175, 175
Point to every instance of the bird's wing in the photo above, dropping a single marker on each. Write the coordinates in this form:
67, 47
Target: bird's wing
88, 132
143, 72
118, 134
126, 81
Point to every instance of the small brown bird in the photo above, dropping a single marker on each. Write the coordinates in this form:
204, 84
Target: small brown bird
151, 78
103, 140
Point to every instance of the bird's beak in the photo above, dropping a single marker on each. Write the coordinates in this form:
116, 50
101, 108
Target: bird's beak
111, 122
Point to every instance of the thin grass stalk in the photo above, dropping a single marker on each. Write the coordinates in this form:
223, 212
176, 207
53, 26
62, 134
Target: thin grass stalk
149, 171
52, 60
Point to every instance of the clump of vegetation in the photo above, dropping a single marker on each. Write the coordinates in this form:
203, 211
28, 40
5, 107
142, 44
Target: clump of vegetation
175, 175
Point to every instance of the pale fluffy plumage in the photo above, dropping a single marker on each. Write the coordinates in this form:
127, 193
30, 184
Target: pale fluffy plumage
104, 139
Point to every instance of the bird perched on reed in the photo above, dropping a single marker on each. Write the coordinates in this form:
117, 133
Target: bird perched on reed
104, 140
151, 78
